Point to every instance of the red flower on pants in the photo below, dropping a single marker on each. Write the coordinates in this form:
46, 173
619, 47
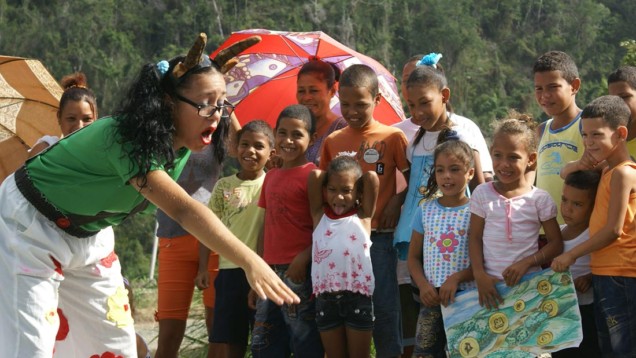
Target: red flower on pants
108, 260
62, 332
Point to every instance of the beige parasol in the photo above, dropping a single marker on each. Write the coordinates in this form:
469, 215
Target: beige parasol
29, 99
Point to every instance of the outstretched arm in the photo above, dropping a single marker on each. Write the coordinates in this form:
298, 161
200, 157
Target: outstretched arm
198, 220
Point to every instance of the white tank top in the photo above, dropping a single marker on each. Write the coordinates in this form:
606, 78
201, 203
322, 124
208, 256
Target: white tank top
341, 255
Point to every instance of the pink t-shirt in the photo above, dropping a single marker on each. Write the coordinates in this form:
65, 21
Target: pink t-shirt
512, 225
288, 223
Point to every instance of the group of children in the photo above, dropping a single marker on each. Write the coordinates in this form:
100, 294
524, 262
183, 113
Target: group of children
328, 231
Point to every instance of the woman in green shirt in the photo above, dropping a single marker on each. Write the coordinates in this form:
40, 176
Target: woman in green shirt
52, 248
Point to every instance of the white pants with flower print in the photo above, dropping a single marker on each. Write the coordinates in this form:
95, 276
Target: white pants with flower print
56, 286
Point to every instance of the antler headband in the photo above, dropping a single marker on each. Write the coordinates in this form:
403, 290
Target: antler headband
223, 61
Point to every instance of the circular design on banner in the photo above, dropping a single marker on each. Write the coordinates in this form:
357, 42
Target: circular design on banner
544, 287
371, 155
565, 280
545, 338
498, 322
519, 306
551, 307
469, 347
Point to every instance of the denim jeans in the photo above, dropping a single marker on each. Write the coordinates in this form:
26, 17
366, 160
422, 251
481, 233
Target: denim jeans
279, 330
387, 332
615, 312
430, 338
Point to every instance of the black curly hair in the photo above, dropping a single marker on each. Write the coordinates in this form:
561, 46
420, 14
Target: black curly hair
144, 119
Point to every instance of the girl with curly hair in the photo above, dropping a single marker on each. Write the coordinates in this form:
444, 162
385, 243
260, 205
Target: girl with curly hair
53, 249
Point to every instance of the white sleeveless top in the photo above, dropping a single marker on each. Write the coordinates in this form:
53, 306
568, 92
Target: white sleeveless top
341, 255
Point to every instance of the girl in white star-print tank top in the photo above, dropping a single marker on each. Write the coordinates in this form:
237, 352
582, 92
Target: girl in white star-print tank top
342, 202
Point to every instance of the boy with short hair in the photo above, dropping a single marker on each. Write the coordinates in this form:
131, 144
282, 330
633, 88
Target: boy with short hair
382, 149
612, 242
234, 200
556, 83
622, 83
577, 203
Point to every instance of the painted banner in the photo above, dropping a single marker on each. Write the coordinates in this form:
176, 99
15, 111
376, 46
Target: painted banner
540, 314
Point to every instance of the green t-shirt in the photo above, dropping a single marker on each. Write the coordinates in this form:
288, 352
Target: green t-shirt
235, 202
87, 173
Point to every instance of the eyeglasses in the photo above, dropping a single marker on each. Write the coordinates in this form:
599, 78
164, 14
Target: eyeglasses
208, 110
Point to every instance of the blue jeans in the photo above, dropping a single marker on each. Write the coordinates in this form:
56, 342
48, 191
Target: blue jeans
615, 312
387, 332
430, 337
281, 330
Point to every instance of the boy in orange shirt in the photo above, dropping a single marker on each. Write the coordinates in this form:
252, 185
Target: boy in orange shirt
612, 242
381, 149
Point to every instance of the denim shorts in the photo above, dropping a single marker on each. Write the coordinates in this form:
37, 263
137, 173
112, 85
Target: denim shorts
233, 319
347, 308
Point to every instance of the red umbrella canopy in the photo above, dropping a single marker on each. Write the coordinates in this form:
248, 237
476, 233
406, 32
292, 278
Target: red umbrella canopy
263, 82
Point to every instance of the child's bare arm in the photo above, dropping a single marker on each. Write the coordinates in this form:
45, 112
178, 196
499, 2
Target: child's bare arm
370, 189
315, 183
202, 280
235, 126
488, 294
449, 287
297, 270
586, 162
513, 273
391, 213
622, 185
415, 263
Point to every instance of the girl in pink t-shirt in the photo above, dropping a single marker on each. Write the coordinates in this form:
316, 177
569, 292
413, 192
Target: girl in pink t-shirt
342, 202
507, 214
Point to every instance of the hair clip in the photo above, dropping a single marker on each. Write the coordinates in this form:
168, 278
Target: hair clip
452, 135
162, 67
430, 60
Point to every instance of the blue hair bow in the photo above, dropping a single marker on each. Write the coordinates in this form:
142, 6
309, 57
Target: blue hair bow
452, 135
430, 60
162, 68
